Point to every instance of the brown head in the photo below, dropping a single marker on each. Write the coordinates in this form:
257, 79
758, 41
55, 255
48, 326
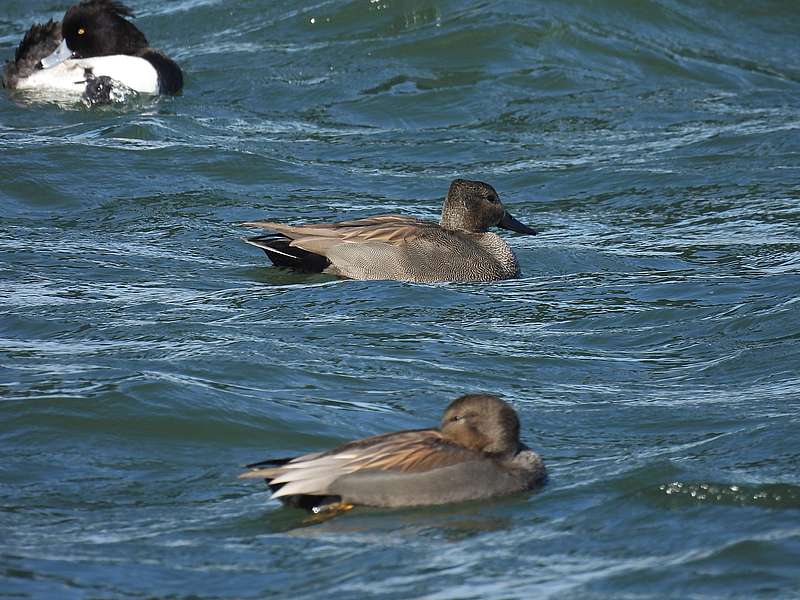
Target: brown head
475, 206
481, 422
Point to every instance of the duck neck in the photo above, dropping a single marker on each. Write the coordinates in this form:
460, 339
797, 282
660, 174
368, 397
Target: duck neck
454, 221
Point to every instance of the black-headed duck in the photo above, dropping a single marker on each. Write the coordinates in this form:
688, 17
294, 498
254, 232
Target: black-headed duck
95, 52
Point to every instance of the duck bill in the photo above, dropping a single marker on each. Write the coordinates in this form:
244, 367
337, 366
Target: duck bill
58, 56
510, 223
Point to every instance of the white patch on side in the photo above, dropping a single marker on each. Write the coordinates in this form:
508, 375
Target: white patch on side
70, 75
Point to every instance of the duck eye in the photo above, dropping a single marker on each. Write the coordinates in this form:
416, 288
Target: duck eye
81, 31
455, 418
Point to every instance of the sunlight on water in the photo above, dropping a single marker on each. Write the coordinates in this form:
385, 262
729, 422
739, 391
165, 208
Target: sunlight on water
650, 345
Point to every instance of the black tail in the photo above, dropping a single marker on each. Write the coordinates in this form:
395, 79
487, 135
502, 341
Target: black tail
170, 76
277, 248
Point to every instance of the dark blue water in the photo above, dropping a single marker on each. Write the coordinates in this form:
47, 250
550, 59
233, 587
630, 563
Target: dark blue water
650, 348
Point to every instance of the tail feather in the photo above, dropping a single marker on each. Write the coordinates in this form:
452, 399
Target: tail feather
170, 76
267, 470
270, 469
266, 474
270, 462
279, 250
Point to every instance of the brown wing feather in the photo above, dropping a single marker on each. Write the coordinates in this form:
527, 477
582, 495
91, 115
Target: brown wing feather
317, 244
405, 451
294, 231
390, 229
379, 220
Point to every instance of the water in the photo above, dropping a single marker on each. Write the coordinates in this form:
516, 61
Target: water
651, 346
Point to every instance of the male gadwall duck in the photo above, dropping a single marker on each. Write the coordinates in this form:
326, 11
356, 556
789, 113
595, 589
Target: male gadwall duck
458, 248
474, 454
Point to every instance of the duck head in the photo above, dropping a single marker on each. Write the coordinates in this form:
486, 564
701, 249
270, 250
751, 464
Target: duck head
96, 28
481, 422
475, 206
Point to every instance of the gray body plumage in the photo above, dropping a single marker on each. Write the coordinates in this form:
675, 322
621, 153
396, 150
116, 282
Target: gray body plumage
435, 255
474, 454
458, 249
472, 480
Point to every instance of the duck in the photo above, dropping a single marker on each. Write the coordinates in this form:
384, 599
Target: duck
459, 248
95, 52
474, 454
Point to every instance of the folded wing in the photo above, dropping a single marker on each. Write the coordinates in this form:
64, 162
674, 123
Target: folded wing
413, 451
320, 238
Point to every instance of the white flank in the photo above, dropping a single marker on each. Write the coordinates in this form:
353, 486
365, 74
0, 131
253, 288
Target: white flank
70, 75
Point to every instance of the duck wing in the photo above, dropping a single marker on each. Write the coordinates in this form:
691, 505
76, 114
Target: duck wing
39, 41
320, 238
404, 452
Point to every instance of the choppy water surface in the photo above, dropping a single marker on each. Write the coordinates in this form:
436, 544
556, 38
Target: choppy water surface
651, 346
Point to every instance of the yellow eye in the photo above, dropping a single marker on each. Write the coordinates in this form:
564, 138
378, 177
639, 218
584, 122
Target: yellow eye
81, 31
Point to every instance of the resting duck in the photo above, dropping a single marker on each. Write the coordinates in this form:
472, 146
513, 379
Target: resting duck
474, 454
95, 52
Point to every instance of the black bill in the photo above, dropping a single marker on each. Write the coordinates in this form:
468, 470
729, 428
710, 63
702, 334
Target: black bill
510, 223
